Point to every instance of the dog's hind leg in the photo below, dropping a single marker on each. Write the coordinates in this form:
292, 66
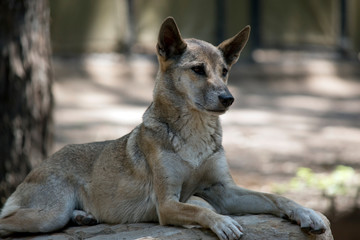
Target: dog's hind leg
41, 214
33, 220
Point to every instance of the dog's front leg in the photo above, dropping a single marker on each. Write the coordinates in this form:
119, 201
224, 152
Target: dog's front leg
171, 211
219, 189
234, 200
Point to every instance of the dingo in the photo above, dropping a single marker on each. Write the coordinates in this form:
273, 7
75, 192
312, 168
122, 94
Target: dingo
152, 172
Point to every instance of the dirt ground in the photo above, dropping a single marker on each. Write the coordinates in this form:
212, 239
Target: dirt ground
294, 111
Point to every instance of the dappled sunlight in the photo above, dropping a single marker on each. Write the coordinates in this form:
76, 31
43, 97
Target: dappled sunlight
333, 86
100, 97
310, 103
80, 125
102, 79
122, 115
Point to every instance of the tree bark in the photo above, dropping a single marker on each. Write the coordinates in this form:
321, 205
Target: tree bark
26, 99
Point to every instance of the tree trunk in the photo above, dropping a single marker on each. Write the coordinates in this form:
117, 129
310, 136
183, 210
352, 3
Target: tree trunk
26, 99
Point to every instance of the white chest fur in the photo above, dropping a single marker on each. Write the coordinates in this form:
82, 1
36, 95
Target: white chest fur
196, 140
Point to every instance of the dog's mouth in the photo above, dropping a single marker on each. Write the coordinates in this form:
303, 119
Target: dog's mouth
216, 111
213, 111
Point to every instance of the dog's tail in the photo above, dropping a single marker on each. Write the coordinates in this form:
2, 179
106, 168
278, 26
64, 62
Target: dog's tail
33, 218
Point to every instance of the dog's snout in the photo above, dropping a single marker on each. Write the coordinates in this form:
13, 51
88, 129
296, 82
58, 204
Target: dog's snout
226, 99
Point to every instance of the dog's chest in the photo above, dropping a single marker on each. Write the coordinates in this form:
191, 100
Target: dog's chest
194, 145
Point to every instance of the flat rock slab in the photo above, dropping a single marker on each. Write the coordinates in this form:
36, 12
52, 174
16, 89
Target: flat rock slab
255, 227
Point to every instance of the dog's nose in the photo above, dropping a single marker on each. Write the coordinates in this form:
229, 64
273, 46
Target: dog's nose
226, 99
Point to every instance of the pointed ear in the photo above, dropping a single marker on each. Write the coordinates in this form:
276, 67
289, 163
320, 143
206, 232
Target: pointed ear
170, 42
231, 48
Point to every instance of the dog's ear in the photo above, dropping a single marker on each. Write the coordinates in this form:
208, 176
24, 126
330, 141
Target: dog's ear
170, 42
231, 48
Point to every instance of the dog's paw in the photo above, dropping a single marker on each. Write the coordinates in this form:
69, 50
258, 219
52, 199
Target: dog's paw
83, 218
227, 228
309, 220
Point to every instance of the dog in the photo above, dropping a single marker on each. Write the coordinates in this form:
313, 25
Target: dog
152, 173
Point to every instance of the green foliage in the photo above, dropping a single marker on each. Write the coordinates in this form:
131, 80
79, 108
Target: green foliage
341, 181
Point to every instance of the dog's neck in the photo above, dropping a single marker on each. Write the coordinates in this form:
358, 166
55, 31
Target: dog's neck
173, 109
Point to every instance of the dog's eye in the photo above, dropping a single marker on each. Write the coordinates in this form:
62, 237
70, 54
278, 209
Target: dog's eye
199, 70
224, 72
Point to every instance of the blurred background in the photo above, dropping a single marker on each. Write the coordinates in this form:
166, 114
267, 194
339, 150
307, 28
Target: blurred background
294, 128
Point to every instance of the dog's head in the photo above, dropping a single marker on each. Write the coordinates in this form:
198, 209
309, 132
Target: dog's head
199, 70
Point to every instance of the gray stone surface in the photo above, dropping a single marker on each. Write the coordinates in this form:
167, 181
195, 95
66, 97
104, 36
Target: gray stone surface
255, 227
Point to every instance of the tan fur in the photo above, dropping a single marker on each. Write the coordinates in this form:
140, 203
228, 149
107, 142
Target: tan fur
151, 173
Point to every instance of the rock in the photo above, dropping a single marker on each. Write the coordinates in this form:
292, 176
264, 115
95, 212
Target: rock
255, 227
269, 227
